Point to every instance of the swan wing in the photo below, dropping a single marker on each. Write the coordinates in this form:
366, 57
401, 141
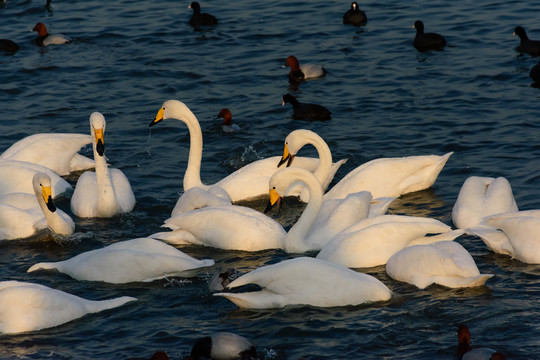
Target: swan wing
122, 189
16, 176
55, 151
84, 199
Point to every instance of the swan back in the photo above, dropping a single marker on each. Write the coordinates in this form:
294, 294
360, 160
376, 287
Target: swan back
480, 197
446, 263
34, 307
307, 281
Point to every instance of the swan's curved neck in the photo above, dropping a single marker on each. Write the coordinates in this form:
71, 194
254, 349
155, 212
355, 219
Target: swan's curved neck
192, 176
325, 158
106, 196
55, 220
296, 237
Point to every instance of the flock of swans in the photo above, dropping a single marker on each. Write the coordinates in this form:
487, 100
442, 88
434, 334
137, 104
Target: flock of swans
346, 225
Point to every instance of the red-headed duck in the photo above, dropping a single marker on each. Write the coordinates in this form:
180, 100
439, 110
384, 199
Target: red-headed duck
466, 352
46, 39
227, 125
223, 346
299, 73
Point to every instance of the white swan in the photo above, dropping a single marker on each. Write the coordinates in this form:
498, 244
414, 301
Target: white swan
515, 233
240, 228
371, 242
58, 152
197, 198
142, 259
105, 192
15, 178
30, 307
23, 215
480, 197
223, 345
247, 182
306, 281
446, 263
386, 177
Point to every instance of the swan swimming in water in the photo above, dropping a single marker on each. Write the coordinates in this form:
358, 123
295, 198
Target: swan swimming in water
105, 192
385, 177
23, 215
247, 182
446, 263
306, 281
142, 259
31, 307
57, 151
371, 242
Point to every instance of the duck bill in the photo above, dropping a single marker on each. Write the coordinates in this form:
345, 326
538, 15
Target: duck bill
158, 118
274, 199
100, 142
287, 156
46, 193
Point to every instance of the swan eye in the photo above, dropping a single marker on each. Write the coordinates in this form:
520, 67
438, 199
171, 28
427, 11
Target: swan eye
273, 187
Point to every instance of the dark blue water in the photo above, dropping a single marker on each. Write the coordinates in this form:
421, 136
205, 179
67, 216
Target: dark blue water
127, 57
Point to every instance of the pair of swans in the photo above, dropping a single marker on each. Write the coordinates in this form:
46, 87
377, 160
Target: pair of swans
240, 228
249, 181
142, 259
485, 207
30, 307
23, 215
105, 192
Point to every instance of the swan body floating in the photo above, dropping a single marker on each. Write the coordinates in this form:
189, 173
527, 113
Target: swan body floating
23, 215
141, 259
373, 241
105, 192
58, 152
515, 234
229, 227
31, 307
446, 263
306, 281
480, 197
224, 346
386, 177
247, 182
15, 178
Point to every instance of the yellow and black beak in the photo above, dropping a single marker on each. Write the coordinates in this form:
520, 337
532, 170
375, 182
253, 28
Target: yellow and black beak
158, 118
274, 198
287, 156
46, 193
100, 142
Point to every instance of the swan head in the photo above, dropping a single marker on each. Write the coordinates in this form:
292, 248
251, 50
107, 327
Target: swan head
294, 142
97, 128
42, 187
274, 198
171, 109
286, 179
